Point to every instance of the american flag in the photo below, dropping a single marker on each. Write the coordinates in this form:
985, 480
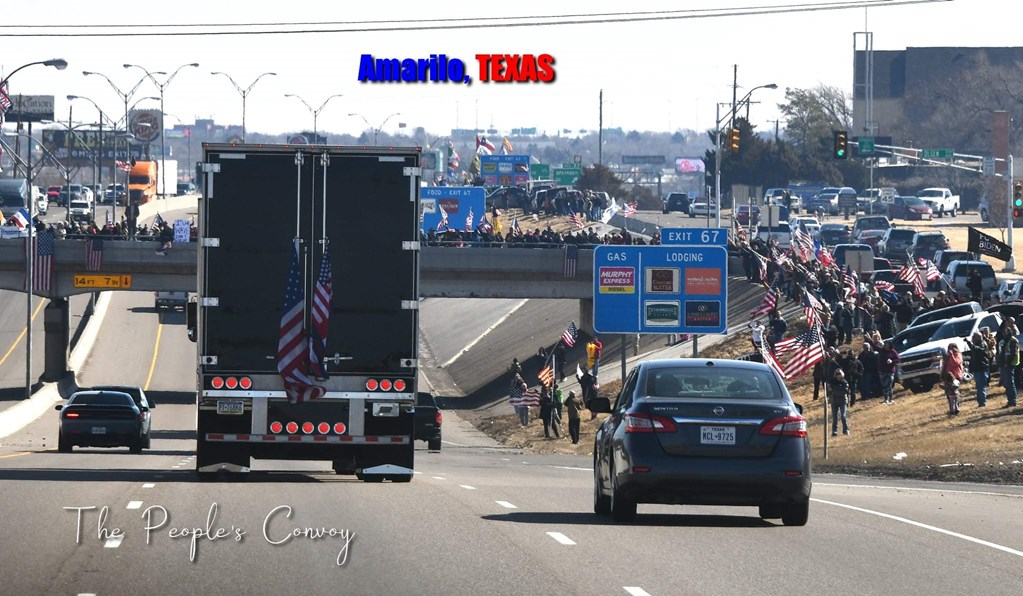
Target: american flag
443, 223
469, 221
769, 303
94, 254
546, 374
575, 220
911, 274
530, 397
571, 259
762, 264
630, 209
323, 294
884, 286
812, 307
739, 232
5, 101
158, 222
515, 224
292, 349
569, 335
769, 359
42, 262
802, 241
124, 166
484, 224
808, 351
851, 281
932, 269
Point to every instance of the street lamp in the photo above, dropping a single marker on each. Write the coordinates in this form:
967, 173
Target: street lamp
163, 137
376, 130
316, 112
244, 92
59, 64
717, 144
99, 159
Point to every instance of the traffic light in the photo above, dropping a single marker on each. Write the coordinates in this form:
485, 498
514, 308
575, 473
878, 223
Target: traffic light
733, 140
1017, 200
841, 144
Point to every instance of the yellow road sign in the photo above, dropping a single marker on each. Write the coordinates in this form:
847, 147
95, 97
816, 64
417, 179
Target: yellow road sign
102, 281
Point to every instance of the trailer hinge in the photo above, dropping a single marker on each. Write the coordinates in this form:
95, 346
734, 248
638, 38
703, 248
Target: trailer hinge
412, 171
210, 301
299, 159
325, 159
211, 168
207, 242
410, 245
405, 362
409, 305
204, 359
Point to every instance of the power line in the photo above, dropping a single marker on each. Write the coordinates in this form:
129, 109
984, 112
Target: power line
456, 24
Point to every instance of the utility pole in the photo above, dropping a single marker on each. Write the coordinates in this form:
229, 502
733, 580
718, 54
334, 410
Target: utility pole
1010, 265
600, 131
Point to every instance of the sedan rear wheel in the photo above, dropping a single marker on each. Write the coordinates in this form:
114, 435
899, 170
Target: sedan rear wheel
63, 445
623, 509
796, 514
601, 502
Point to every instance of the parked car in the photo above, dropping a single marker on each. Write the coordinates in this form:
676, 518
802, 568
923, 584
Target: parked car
959, 271
706, 432
80, 210
832, 234
53, 193
102, 419
895, 244
919, 368
781, 234
703, 209
428, 420
909, 208
943, 257
742, 214
871, 222
842, 252
925, 244
949, 312
114, 192
824, 202
675, 201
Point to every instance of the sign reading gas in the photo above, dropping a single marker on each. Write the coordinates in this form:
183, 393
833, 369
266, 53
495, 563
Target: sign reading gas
103, 281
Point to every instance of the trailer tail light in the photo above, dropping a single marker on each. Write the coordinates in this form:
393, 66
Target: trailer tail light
245, 383
399, 385
323, 428
340, 428
292, 427
307, 428
372, 385
232, 383
276, 427
385, 385
217, 382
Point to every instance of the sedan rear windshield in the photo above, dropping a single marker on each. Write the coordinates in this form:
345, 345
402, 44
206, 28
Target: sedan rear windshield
721, 383
101, 399
902, 234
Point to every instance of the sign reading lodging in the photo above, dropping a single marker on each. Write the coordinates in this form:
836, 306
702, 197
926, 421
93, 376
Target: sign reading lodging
102, 281
660, 288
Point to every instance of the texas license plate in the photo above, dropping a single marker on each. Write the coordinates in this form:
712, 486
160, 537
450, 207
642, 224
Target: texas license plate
99, 430
717, 435
230, 407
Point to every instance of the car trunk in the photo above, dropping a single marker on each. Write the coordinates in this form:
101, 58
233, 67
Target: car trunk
717, 428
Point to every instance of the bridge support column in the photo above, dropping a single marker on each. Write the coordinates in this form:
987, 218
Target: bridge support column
57, 324
586, 315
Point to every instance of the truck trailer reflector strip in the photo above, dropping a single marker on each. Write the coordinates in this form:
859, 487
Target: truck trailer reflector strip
242, 438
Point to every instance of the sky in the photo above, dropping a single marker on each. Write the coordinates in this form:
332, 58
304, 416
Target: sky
656, 75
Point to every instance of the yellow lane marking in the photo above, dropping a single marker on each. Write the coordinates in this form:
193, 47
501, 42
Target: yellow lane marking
156, 350
24, 330
19, 454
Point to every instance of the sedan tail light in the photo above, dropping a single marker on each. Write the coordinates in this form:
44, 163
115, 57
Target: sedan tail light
639, 422
788, 426
439, 418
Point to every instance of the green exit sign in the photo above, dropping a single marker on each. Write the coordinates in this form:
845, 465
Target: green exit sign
865, 146
936, 153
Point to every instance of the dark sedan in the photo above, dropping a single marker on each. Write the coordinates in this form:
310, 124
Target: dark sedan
103, 419
702, 432
834, 234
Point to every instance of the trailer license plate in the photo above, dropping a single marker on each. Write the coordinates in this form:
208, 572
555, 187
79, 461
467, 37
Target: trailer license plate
99, 430
717, 435
230, 407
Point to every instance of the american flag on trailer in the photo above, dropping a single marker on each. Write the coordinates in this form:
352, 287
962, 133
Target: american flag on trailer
769, 303
911, 274
323, 295
569, 335
851, 281
292, 348
42, 262
809, 350
93, 254
932, 269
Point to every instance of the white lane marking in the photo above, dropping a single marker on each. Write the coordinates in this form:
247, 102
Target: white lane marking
485, 333
416, 472
86, 594
636, 591
176, 467
505, 459
134, 504
1005, 549
467, 487
506, 505
932, 490
571, 468
439, 478
561, 538
455, 444
148, 485
113, 541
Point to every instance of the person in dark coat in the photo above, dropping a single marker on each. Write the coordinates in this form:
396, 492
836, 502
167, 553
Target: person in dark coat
844, 321
980, 366
870, 382
586, 387
839, 394
853, 371
975, 284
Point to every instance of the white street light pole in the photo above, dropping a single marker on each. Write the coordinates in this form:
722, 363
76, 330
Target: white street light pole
163, 138
59, 64
244, 92
717, 146
316, 112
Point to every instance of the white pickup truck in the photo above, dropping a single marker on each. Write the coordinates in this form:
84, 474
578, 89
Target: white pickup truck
940, 200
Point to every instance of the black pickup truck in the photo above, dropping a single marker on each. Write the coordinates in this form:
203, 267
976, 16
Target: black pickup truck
428, 420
